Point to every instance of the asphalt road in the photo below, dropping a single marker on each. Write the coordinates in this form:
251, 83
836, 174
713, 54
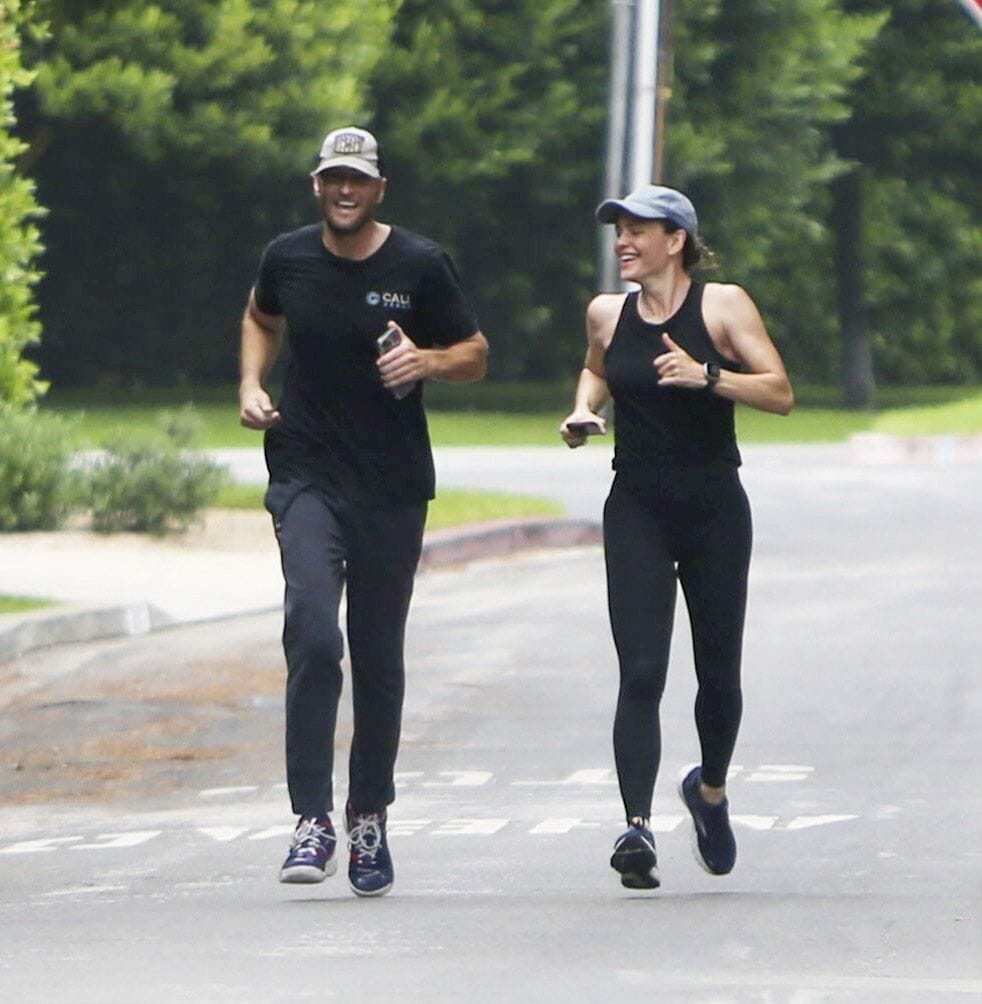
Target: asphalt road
151, 876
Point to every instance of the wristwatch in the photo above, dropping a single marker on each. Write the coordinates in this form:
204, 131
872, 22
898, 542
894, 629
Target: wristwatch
711, 371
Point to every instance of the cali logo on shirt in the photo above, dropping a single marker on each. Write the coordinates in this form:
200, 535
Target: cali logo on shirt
390, 301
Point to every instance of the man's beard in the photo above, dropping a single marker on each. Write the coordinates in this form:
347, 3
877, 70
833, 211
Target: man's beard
346, 229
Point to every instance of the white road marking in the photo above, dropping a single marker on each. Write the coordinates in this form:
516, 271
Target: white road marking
106, 841
755, 822
85, 890
806, 822
403, 777
602, 775
461, 779
780, 772
665, 823
406, 827
463, 827
222, 833
274, 831
550, 826
244, 789
39, 846
562, 825
470, 827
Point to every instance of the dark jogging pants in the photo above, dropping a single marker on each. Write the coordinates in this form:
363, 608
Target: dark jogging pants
690, 525
327, 544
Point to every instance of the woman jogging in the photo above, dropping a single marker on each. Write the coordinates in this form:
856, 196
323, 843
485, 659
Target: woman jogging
674, 356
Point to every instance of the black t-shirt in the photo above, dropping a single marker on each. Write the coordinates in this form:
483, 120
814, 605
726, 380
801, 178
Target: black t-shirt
340, 428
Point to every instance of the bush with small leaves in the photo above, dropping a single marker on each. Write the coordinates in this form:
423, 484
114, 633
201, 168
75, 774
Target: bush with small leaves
38, 488
153, 482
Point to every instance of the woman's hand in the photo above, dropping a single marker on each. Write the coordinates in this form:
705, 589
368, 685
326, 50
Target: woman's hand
580, 424
676, 368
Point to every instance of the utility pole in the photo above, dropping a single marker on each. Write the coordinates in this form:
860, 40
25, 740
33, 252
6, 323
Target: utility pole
640, 84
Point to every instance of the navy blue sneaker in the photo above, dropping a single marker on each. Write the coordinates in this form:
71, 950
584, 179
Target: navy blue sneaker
634, 858
370, 864
713, 842
311, 857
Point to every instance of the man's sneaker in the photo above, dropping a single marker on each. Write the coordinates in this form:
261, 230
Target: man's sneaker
713, 842
635, 859
311, 857
370, 864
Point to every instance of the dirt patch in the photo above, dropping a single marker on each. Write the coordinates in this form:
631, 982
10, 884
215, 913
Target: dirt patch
187, 708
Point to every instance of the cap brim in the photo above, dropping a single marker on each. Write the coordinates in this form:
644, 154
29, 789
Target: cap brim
353, 163
609, 211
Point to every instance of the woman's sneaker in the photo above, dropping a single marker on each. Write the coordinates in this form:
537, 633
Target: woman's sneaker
311, 857
370, 864
634, 858
713, 842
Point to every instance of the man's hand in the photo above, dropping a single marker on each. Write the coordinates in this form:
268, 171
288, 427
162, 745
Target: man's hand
405, 363
256, 409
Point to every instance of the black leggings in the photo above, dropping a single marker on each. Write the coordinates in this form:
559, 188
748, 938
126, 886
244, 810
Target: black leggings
691, 525
326, 545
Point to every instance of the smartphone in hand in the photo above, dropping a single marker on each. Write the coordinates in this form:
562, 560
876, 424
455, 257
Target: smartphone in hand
386, 341
585, 428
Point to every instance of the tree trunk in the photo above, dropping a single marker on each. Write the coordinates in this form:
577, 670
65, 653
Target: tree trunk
858, 381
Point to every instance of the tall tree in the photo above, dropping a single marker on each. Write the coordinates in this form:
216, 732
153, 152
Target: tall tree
758, 87
492, 115
494, 110
907, 212
19, 239
170, 140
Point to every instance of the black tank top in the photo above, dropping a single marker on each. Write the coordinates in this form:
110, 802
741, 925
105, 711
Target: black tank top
658, 426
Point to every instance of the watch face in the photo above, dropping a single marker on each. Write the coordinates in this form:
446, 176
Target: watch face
712, 371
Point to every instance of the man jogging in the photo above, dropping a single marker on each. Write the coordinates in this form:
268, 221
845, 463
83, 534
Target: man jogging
370, 311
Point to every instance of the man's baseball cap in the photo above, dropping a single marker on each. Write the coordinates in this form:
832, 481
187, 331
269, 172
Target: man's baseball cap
652, 202
349, 147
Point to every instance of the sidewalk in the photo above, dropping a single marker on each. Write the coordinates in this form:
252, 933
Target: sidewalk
128, 584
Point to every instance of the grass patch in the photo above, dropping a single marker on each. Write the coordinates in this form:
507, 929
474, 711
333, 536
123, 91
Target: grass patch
451, 507
456, 506
528, 414
18, 604
235, 496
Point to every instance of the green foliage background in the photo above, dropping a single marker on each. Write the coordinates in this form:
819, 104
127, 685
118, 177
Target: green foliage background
19, 238
170, 140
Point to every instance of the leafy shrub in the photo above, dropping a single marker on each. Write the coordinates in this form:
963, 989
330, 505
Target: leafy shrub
38, 488
153, 483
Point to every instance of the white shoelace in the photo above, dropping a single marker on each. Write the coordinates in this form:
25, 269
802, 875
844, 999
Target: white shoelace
365, 836
310, 837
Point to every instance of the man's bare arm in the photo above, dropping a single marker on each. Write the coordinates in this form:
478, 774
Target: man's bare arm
462, 362
261, 338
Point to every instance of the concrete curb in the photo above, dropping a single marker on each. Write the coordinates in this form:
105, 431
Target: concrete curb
37, 629
489, 540
20, 633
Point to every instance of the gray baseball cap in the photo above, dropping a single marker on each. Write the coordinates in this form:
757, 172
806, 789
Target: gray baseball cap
349, 147
652, 202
